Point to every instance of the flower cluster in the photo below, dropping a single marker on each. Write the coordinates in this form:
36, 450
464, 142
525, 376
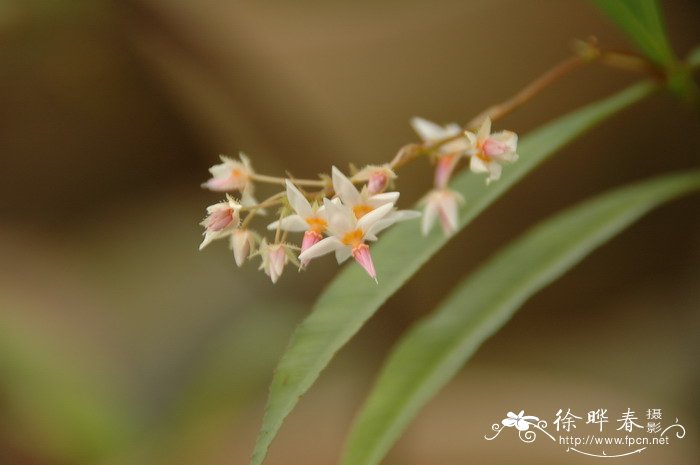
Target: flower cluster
333, 213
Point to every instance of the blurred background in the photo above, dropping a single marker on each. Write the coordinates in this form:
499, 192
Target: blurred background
121, 344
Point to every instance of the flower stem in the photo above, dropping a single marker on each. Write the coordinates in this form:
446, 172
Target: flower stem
500, 110
282, 181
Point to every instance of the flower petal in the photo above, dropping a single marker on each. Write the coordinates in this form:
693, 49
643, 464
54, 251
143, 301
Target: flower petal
427, 130
449, 214
345, 189
386, 197
367, 221
297, 200
340, 218
494, 172
484, 130
391, 218
291, 223
342, 254
364, 258
246, 161
429, 216
324, 246
477, 165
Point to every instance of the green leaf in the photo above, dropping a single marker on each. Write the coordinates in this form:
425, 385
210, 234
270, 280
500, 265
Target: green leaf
433, 351
352, 298
642, 21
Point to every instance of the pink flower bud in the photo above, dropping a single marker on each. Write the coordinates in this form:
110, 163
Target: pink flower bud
278, 258
274, 258
377, 182
242, 243
219, 219
492, 147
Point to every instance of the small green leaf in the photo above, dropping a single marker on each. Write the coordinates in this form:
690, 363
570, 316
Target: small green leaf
642, 22
352, 298
433, 351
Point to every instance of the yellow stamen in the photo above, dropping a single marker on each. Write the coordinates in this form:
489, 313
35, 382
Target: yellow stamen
317, 224
361, 210
353, 238
237, 173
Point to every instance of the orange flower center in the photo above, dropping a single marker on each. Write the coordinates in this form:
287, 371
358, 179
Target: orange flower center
317, 224
353, 238
480, 152
361, 210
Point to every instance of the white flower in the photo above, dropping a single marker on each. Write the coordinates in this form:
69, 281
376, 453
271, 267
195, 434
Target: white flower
223, 218
488, 151
442, 204
274, 258
520, 421
431, 133
376, 177
242, 244
233, 175
361, 202
348, 235
311, 219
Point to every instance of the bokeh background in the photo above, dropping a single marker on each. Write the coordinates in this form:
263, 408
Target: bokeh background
121, 344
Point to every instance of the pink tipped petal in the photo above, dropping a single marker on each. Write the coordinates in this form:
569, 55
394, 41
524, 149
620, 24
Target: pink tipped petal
445, 167
363, 257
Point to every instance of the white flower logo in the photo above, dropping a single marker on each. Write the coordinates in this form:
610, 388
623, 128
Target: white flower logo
520, 421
